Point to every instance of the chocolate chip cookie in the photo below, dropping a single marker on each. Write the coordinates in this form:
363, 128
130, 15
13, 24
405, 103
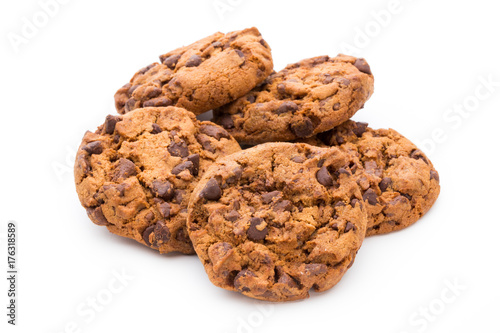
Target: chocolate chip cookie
398, 181
135, 173
305, 98
277, 219
204, 75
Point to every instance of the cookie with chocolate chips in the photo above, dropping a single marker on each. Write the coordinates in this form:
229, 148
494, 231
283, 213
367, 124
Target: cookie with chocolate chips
199, 77
398, 181
135, 173
305, 98
278, 219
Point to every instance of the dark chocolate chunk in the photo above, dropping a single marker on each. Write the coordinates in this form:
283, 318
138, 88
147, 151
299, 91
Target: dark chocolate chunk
385, 183
324, 177
97, 216
362, 66
93, 148
371, 196
256, 232
163, 189
212, 190
214, 131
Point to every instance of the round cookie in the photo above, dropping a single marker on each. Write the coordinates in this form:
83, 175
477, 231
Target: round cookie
398, 181
199, 77
305, 98
277, 219
135, 173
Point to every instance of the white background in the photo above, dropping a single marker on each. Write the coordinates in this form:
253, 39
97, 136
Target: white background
429, 58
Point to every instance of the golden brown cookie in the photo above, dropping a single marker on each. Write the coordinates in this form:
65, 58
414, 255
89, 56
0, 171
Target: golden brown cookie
276, 220
305, 98
204, 75
398, 181
135, 173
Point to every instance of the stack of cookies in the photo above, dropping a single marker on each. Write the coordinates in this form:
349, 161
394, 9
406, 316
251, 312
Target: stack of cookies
272, 221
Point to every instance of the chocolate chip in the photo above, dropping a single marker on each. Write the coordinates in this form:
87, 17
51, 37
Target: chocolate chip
110, 123
94, 148
164, 209
178, 196
287, 280
159, 101
268, 197
239, 280
321, 162
205, 143
163, 189
182, 236
232, 216
97, 216
147, 68
340, 204
344, 171
385, 183
84, 164
315, 269
407, 196
194, 61
324, 177
212, 190
251, 98
281, 88
256, 232
214, 131
435, 175
302, 128
240, 53
285, 205
349, 226
171, 61
336, 106
152, 92
354, 202
217, 44
131, 90
327, 79
335, 226
226, 121
179, 149
237, 172
371, 196
362, 66
188, 165
195, 159
130, 105
124, 169
156, 129
263, 43
360, 128
298, 159
418, 155
286, 107
146, 233
161, 232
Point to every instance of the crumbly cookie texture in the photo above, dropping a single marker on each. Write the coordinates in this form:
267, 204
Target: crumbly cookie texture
398, 181
199, 77
135, 173
276, 220
305, 98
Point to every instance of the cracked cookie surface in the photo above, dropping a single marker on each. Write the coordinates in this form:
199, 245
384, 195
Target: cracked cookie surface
135, 173
276, 220
398, 181
306, 98
199, 77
